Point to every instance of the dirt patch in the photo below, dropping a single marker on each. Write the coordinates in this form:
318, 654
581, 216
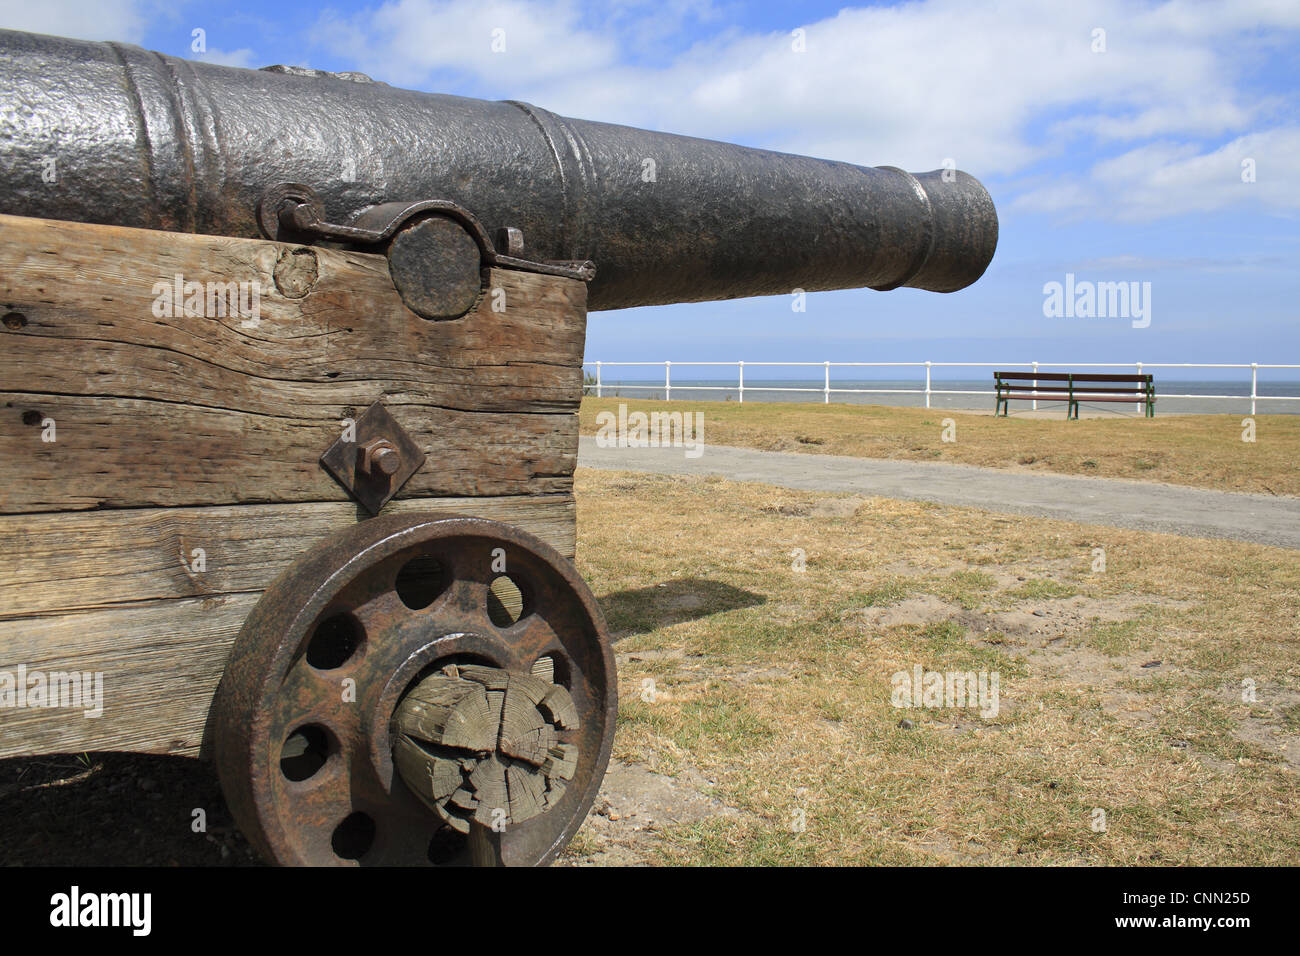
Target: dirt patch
838, 507
1268, 726
1052, 633
753, 675
634, 804
1039, 620
691, 671
943, 849
671, 654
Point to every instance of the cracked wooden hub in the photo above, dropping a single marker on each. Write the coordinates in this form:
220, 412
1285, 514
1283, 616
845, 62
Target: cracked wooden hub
482, 744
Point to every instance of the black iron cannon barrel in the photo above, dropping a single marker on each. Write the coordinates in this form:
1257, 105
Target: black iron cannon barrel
111, 133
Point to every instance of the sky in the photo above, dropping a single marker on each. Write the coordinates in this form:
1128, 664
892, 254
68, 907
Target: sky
1155, 143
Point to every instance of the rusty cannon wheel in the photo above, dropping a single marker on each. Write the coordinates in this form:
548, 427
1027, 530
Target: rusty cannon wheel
418, 690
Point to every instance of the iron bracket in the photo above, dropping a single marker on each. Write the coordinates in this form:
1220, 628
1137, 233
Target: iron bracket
293, 212
380, 457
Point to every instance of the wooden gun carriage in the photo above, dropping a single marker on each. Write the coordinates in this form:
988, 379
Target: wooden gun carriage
288, 460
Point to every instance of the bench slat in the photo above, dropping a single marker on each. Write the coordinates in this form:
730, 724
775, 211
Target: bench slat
1071, 376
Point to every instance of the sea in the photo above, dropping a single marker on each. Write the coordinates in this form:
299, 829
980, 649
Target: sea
1172, 395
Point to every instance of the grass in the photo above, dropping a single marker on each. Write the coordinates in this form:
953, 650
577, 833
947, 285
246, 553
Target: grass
781, 695
1115, 639
1042, 589
969, 589
1200, 450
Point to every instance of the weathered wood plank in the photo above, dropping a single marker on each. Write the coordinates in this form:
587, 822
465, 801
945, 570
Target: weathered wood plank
86, 293
161, 662
124, 453
179, 409
98, 559
106, 592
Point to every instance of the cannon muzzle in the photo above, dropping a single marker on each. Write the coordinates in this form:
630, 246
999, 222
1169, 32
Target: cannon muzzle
110, 133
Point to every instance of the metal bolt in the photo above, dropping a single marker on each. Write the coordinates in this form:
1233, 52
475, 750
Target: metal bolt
379, 457
510, 241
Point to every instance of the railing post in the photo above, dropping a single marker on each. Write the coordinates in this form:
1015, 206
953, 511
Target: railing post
668, 381
1139, 406
598, 380
1254, 382
1035, 406
927, 383
827, 400
741, 366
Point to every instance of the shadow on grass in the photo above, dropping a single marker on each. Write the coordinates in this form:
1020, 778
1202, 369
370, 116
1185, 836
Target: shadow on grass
642, 610
114, 809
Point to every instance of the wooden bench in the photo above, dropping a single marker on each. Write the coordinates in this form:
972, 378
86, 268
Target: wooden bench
1074, 388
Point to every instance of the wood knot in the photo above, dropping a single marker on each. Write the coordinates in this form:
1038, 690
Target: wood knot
296, 271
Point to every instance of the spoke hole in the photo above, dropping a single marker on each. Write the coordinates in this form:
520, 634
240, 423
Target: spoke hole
448, 847
505, 601
334, 642
562, 672
420, 582
305, 751
544, 667
553, 668
353, 837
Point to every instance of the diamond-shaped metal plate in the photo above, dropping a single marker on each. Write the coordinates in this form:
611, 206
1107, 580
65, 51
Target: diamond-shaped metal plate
343, 459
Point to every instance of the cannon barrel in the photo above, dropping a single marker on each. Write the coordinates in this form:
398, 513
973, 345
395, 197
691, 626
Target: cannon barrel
111, 133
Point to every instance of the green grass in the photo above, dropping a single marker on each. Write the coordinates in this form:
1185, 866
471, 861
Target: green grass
1041, 589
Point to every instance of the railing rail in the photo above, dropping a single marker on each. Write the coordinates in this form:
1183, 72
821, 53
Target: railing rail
928, 391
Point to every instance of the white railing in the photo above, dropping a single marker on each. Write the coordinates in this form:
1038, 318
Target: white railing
826, 390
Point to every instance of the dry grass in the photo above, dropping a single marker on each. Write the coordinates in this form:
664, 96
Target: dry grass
1201, 450
775, 684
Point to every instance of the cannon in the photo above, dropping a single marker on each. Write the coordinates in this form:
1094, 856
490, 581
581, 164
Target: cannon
290, 373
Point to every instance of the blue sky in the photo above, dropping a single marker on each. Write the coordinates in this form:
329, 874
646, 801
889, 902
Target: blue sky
1114, 164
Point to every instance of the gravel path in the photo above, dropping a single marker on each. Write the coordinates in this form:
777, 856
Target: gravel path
1146, 506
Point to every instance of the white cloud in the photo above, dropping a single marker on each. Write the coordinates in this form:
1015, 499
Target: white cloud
1164, 179
510, 41
120, 20
243, 57
924, 81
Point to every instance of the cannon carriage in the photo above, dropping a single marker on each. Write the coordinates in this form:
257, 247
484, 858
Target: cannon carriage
290, 371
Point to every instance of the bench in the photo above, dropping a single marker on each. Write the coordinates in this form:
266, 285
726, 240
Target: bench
1074, 388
